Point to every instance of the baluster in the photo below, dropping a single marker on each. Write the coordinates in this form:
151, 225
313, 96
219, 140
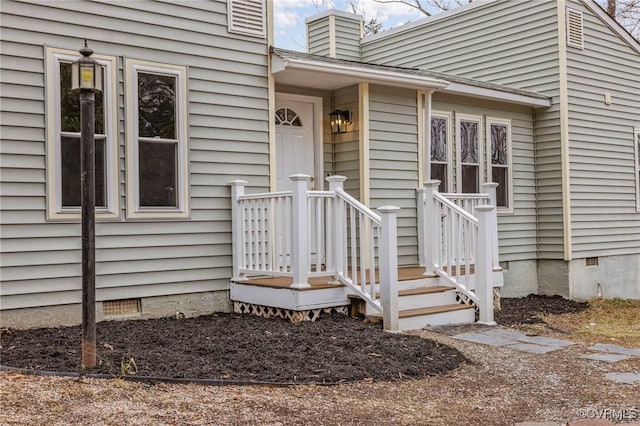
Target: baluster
372, 260
354, 260
363, 248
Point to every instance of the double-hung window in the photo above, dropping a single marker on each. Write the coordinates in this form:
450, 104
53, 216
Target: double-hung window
63, 139
440, 148
469, 153
157, 152
499, 168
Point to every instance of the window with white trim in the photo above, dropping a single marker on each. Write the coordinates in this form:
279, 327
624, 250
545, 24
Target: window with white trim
637, 145
63, 139
499, 168
157, 152
469, 153
440, 149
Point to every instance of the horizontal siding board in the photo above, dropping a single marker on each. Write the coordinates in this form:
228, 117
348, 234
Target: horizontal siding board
228, 124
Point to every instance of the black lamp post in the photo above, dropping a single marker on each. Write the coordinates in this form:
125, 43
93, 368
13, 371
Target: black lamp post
87, 76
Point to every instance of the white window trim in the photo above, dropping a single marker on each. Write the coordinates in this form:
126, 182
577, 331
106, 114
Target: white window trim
134, 211
447, 116
505, 122
636, 135
54, 172
469, 117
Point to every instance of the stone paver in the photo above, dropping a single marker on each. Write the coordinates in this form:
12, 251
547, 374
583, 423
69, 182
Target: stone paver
515, 340
606, 357
485, 339
615, 349
628, 378
541, 345
541, 340
534, 349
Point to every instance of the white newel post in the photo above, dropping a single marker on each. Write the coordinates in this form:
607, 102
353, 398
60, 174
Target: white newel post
483, 266
388, 252
335, 255
300, 231
432, 227
490, 188
237, 232
422, 237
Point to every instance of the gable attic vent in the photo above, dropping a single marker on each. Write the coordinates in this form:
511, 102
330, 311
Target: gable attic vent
575, 33
247, 17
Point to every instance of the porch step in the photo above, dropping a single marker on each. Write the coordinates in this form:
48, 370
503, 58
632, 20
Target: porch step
415, 319
421, 297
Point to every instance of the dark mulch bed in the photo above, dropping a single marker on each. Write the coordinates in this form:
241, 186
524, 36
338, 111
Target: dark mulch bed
333, 349
530, 309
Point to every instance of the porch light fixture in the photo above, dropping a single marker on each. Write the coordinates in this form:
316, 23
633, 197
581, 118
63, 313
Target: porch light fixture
339, 121
86, 73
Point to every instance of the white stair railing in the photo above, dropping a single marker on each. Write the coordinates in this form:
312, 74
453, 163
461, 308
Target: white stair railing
302, 233
359, 233
460, 245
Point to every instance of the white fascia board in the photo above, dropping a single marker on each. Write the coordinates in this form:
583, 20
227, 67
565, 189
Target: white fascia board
365, 75
498, 95
615, 26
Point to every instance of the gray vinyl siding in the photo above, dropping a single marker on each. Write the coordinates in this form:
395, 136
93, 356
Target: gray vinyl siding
346, 146
393, 159
347, 38
517, 230
505, 42
604, 218
318, 36
227, 139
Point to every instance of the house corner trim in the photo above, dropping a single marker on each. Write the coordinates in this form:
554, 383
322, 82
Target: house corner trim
564, 129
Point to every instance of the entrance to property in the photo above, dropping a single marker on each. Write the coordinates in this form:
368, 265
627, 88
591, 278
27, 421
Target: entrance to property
298, 139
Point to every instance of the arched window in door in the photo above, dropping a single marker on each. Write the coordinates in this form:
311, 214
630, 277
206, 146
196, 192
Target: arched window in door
287, 117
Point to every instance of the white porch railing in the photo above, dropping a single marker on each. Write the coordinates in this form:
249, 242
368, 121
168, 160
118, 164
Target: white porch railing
458, 241
302, 233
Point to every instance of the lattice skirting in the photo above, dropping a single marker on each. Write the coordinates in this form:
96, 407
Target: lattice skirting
293, 316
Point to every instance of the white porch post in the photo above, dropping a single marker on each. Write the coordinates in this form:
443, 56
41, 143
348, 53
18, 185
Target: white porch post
300, 231
422, 237
431, 227
490, 188
388, 252
483, 265
237, 231
335, 255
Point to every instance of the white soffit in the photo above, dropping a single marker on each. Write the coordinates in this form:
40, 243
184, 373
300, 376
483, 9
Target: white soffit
496, 95
330, 76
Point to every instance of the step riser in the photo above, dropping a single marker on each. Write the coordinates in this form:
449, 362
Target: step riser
466, 316
417, 301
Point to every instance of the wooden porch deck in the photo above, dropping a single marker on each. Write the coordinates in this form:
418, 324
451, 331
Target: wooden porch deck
405, 273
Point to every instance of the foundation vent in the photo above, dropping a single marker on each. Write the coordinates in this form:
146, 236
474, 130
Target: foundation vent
122, 308
591, 261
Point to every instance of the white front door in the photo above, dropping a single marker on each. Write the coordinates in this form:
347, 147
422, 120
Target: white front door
294, 140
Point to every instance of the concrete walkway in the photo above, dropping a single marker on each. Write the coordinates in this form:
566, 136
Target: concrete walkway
542, 345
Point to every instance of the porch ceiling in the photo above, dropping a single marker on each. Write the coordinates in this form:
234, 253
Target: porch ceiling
318, 74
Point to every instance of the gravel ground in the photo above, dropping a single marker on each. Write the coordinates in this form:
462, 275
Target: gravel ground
499, 386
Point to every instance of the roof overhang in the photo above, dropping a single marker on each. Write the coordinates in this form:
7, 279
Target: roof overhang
330, 74
496, 95
317, 74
